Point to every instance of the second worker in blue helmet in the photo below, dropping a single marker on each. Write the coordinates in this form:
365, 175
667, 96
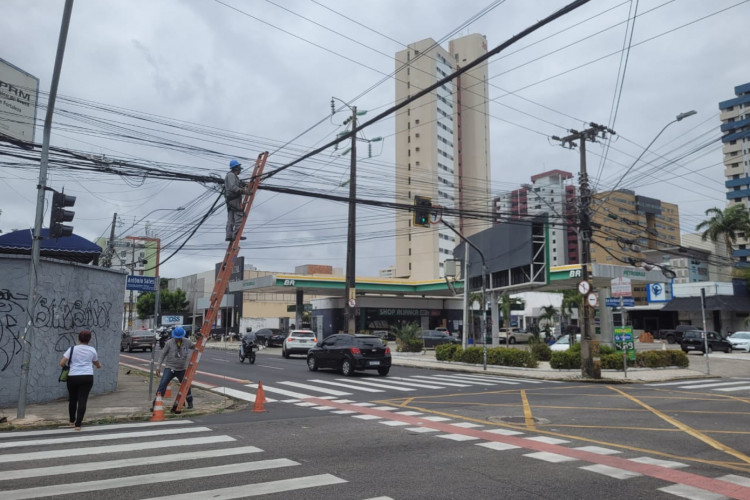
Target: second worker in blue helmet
234, 188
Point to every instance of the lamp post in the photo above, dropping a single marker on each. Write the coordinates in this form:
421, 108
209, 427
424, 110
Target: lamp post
350, 287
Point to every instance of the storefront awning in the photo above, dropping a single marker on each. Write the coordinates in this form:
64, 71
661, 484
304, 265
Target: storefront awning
732, 303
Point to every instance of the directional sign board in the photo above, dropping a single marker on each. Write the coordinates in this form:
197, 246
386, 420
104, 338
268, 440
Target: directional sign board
615, 301
141, 283
621, 287
624, 341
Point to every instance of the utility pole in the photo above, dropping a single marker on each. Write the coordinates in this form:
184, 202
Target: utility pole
350, 292
36, 241
590, 364
107, 261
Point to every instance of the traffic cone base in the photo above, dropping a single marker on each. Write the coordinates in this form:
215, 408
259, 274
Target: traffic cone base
260, 398
158, 415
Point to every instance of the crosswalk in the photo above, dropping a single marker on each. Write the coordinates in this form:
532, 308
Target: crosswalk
734, 386
334, 387
142, 458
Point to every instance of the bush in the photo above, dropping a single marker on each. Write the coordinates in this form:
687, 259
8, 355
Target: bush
678, 358
648, 359
566, 360
541, 351
505, 356
613, 361
471, 355
410, 345
446, 352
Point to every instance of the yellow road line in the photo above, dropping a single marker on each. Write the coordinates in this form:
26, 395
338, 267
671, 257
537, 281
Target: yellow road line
527, 412
686, 428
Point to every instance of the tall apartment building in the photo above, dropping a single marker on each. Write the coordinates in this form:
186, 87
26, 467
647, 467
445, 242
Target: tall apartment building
442, 149
549, 193
625, 223
735, 125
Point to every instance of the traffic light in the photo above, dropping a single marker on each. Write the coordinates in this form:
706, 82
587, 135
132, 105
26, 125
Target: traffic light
58, 215
422, 209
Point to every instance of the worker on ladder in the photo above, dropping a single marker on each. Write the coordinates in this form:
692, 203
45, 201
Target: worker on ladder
234, 188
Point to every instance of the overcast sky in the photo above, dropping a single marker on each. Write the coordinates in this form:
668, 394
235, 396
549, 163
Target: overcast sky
191, 84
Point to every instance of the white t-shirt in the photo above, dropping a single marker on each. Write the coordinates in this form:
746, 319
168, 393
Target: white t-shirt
83, 358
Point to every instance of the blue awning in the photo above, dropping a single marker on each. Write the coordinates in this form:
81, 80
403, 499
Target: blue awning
73, 248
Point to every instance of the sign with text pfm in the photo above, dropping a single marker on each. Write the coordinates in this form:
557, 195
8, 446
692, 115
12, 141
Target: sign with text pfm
141, 283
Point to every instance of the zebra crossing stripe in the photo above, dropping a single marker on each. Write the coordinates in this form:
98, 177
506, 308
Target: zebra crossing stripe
484, 380
414, 383
733, 389
716, 384
680, 382
348, 386
96, 450
453, 378
332, 392
132, 481
432, 379
83, 437
234, 393
283, 392
98, 428
377, 384
125, 462
257, 489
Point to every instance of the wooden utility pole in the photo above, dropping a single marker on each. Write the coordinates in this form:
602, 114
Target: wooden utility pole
590, 364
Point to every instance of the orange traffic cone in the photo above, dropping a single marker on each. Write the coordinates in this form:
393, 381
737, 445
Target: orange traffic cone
158, 415
260, 398
168, 392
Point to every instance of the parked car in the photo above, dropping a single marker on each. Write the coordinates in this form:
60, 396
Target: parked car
270, 337
298, 342
384, 334
513, 335
432, 338
696, 340
350, 353
563, 343
138, 339
740, 341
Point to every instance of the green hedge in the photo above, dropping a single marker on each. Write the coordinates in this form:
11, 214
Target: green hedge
541, 351
499, 356
566, 360
410, 345
446, 352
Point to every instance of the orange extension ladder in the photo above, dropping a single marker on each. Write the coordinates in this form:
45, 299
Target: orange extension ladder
222, 280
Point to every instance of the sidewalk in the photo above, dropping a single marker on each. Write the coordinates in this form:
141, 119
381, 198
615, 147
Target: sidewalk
130, 402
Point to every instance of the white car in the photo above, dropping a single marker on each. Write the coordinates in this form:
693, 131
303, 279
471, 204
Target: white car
513, 335
298, 342
563, 343
740, 341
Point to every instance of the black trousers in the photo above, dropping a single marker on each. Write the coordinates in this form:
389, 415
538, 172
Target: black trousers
79, 387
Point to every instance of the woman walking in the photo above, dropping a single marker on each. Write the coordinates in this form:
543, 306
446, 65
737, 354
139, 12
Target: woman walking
82, 359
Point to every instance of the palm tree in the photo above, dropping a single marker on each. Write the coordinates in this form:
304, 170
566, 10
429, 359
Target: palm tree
572, 299
726, 223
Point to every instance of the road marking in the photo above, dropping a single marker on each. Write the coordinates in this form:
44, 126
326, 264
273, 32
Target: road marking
86, 436
612, 472
690, 492
125, 462
548, 440
98, 428
257, 489
376, 384
733, 389
687, 429
121, 448
457, 437
130, 481
455, 378
493, 445
415, 383
348, 386
283, 392
432, 379
664, 384
237, 394
332, 392
717, 384
554, 458
528, 417
598, 449
656, 461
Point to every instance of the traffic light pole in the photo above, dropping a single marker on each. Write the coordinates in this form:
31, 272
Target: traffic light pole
28, 334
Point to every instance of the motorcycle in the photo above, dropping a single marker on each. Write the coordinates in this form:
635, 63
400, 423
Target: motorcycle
164, 335
247, 350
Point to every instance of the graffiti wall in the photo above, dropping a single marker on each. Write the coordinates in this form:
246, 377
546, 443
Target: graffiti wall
70, 298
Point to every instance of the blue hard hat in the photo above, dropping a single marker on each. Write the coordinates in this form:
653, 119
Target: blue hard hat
234, 164
178, 332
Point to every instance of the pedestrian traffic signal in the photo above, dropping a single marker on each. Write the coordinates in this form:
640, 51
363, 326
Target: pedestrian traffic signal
422, 209
58, 215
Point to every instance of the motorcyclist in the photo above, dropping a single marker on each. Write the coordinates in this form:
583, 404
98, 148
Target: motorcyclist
249, 339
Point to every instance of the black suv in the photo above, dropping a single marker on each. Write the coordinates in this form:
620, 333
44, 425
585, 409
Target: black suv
695, 340
269, 337
348, 353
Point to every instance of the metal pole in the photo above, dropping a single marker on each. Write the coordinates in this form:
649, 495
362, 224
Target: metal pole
28, 335
585, 214
153, 349
350, 292
465, 339
705, 332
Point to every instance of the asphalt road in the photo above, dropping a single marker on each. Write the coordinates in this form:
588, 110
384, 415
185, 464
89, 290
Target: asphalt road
434, 434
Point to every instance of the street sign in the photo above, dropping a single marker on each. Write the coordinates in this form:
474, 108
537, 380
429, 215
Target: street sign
141, 283
621, 287
628, 302
624, 341
612, 302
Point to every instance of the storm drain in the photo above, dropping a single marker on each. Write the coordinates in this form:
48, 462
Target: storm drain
517, 420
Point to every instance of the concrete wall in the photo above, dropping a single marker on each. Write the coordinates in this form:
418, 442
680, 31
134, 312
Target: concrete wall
71, 298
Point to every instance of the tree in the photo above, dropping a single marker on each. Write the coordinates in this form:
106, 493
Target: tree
174, 302
572, 299
726, 224
549, 313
